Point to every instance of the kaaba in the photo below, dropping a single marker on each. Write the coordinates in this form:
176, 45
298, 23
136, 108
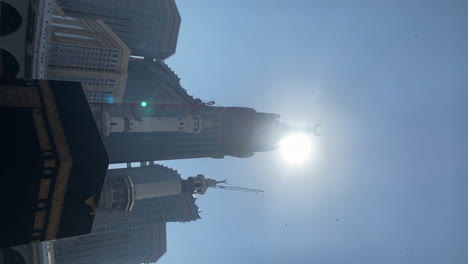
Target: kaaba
52, 161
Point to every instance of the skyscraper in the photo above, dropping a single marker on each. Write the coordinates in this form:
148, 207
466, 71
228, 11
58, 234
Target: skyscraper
130, 222
150, 28
158, 132
140, 245
154, 82
131, 199
88, 51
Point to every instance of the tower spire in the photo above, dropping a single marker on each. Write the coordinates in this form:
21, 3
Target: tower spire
235, 188
201, 184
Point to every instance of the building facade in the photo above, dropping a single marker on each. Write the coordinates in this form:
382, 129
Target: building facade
176, 207
87, 51
149, 28
154, 82
140, 245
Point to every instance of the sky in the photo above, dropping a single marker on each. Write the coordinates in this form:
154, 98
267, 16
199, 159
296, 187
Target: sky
388, 83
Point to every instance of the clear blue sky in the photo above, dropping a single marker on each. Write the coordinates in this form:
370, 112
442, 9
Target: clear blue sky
388, 81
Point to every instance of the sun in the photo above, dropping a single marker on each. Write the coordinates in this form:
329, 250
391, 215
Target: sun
295, 148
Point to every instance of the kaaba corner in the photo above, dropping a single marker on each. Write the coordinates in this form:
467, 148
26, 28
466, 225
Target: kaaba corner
52, 161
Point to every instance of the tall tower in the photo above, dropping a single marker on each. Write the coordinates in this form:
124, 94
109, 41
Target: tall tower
139, 245
134, 197
130, 223
121, 193
163, 132
150, 28
154, 81
87, 51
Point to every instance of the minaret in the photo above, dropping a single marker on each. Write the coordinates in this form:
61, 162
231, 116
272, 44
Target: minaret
152, 193
120, 193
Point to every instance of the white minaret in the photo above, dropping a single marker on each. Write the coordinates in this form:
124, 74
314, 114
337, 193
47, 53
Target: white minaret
187, 124
198, 184
157, 189
120, 193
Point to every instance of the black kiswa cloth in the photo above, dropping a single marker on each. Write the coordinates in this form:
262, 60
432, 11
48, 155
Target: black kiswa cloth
52, 161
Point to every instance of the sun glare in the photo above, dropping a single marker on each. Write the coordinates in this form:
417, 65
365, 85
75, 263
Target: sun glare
296, 148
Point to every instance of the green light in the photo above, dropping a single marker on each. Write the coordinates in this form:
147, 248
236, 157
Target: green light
143, 104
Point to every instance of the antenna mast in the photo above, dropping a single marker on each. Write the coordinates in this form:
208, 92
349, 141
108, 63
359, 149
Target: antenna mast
235, 188
201, 184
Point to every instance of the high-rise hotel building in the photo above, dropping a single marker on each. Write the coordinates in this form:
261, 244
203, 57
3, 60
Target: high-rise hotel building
150, 28
132, 246
88, 51
154, 82
134, 133
135, 197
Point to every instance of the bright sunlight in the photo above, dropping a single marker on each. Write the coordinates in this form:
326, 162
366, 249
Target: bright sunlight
296, 148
